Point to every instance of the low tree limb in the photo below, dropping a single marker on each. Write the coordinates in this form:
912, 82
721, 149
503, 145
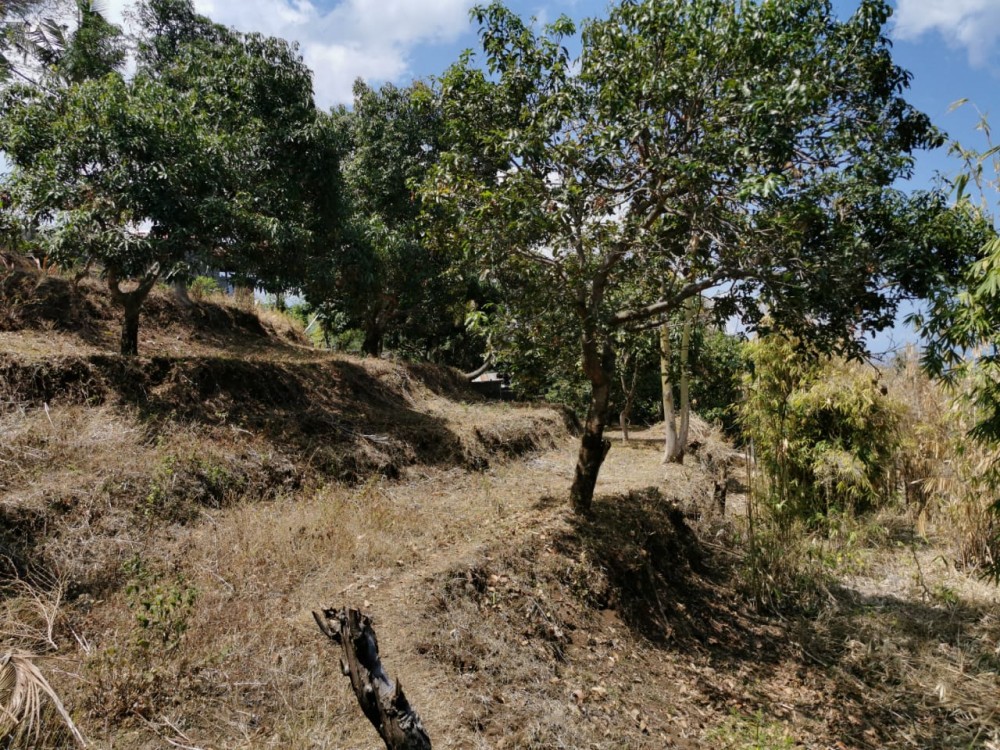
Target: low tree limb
380, 698
487, 364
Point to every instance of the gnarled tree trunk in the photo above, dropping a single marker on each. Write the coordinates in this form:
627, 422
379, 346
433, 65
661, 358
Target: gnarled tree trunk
381, 699
131, 301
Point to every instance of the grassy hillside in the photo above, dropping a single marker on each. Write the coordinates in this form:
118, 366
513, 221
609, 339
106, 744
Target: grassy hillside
168, 525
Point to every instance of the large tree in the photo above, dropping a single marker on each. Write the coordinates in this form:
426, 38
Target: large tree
389, 283
394, 140
743, 150
211, 153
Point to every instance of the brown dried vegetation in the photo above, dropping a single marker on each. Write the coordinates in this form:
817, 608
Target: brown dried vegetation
168, 526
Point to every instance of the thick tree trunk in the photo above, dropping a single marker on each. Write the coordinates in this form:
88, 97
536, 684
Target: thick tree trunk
181, 294
598, 364
130, 327
374, 328
380, 698
372, 344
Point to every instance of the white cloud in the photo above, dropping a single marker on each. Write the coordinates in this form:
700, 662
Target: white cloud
353, 39
971, 24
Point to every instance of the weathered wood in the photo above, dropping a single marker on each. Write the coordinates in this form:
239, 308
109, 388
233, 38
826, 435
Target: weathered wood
381, 699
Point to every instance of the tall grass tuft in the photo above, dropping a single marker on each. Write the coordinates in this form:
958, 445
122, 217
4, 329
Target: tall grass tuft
951, 480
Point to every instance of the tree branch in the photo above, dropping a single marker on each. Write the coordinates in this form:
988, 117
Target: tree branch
381, 699
665, 305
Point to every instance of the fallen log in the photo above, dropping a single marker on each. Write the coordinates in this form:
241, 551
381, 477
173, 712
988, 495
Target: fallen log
381, 699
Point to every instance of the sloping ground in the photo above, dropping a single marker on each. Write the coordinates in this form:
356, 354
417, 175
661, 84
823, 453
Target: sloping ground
514, 624
105, 460
97, 449
170, 523
43, 315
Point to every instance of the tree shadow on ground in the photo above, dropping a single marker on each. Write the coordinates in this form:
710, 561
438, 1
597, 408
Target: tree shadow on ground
867, 671
666, 586
336, 414
908, 672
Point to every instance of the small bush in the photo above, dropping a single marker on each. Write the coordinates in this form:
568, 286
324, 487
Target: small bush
756, 732
203, 287
784, 570
147, 670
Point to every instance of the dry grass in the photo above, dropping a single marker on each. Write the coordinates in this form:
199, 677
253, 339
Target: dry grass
511, 625
169, 546
945, 474
23, 689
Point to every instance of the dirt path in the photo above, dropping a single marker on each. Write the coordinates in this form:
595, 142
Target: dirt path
385, 546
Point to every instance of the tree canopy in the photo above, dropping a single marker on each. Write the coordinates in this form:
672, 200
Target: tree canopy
211, 153
743, 150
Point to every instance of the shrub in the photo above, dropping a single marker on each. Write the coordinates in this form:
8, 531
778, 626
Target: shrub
202, 287
825, 434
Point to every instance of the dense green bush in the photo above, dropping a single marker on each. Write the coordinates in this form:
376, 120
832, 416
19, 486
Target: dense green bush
824, 433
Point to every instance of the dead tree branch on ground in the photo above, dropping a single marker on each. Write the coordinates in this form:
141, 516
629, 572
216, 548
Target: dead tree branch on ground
380, 698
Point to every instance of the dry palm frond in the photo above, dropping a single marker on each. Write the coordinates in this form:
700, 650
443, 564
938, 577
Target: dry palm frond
22, 687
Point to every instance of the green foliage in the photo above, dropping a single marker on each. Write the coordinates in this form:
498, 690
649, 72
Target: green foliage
960, 327
716, 378
541, 180
150, 176
136, 676
387, 281
747, 148
202, 287
825, 435
755, 732
161, 607
95, 48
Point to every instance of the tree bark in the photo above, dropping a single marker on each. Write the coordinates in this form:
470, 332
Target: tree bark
628, 389
132, 302
381, 699
670, 453
180, 290
481, 370
130, 327
374, 328
598, 363
690, 310
371, 346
